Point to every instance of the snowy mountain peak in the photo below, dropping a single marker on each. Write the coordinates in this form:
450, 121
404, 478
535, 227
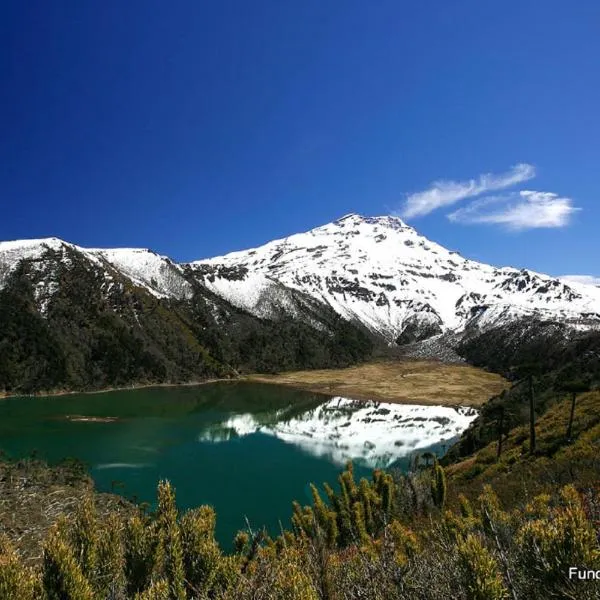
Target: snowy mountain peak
380, 272
375, 271
14, 251
348, 217
143, 267
365, 224
31, 245
390, 221
146, 268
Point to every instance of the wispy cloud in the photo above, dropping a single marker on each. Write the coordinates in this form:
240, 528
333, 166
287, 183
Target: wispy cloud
526, 209
587, 279
446, 193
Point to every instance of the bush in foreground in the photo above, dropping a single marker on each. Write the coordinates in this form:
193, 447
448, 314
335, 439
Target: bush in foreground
388, 538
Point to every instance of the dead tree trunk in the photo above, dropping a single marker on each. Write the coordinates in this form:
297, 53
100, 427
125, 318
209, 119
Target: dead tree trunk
531, 417
571, 416
500, 431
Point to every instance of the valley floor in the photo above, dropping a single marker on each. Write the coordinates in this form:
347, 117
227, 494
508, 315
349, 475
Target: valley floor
402, 381
399, 381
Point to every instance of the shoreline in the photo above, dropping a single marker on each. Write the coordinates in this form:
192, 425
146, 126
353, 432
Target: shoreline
421, 382
134, 386
353, 394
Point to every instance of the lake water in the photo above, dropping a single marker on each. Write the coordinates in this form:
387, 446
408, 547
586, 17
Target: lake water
247, 449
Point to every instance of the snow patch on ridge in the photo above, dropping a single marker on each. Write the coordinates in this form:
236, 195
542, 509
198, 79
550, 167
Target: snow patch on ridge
157, 274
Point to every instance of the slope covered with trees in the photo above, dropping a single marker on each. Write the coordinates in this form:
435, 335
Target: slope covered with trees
545, 361
100, 330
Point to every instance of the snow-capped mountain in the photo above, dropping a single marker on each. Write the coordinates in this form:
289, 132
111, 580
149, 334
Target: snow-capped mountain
113, 268
157, 275
382, 273
78, 318
376, 272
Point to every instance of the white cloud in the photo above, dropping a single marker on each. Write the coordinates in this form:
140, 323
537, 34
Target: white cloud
446, 193
517, 211
587, 279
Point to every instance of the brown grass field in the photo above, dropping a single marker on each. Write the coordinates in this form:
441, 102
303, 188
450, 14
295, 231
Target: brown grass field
402, 381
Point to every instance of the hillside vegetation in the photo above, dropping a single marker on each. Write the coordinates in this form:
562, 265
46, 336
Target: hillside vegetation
546, 360
516, 472
88, 338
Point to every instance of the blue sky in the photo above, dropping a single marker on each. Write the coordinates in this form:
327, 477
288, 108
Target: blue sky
196, 128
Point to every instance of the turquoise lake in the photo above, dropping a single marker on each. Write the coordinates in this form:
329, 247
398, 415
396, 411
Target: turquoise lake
247, 449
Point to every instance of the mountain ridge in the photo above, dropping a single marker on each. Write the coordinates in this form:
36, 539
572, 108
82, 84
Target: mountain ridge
402, 286
377, 272
72, 318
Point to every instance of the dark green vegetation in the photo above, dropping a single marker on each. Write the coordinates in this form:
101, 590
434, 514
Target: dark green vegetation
98, 332
542, 347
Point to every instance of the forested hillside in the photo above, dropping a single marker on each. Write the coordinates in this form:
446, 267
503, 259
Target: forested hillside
98, 330
545, 361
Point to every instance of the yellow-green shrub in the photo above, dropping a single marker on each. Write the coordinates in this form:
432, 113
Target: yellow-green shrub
480, 571
16, 581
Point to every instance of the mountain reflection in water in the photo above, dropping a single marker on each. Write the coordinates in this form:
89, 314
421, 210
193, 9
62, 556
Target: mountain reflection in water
373, 434
247, 449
